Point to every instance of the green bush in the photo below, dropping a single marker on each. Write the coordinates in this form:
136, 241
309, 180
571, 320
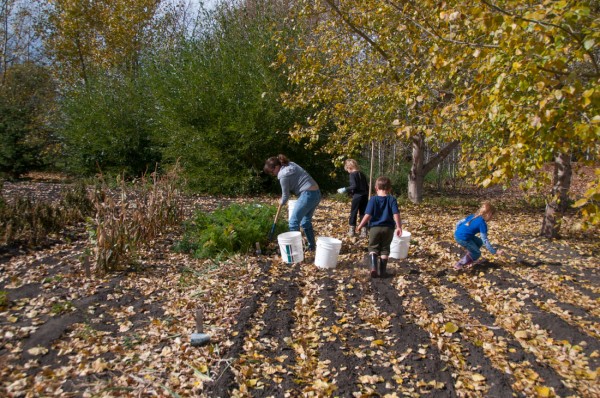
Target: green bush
228, 230
26, 105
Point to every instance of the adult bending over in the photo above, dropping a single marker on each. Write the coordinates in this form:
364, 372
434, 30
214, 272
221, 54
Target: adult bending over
296, 180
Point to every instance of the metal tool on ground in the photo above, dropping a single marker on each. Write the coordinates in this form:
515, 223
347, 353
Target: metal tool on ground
199, 338
272, 231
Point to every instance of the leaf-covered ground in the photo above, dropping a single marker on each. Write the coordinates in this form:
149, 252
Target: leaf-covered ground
523, 326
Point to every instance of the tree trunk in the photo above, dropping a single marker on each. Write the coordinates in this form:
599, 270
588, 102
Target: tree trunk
419, 168
371, 171
416, 177
559, 200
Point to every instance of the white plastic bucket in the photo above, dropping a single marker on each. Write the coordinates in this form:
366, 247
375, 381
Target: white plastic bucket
327, 252
400, 244
291, 206
290, 245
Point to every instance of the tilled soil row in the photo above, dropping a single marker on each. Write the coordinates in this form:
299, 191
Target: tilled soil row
335, 349
58, 310
532, 327
558, 328
415, 357
225, 379
422, 370
514, 354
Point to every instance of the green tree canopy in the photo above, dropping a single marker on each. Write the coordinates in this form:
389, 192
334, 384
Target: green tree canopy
26, 100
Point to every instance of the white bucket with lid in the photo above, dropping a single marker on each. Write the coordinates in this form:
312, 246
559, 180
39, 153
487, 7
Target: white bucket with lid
399, 246
290, 246
327, 252
291, 206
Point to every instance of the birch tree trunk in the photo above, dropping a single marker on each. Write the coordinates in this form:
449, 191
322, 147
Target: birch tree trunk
559, 199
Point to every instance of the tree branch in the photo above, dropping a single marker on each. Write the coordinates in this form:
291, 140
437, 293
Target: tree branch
548, 24
433, 34
356, 30
558, 72
441, 155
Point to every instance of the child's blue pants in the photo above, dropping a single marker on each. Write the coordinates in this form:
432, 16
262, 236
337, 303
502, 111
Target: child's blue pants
472, 245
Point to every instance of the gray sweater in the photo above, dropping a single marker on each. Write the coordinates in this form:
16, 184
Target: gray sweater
295, 179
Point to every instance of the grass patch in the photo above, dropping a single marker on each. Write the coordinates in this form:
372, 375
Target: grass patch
4, 299
62, 307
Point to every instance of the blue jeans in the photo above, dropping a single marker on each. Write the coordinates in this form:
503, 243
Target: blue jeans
302, 215
472, 245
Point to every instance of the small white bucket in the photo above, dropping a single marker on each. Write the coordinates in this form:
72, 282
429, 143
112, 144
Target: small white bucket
327, 252
291, 206
400, 244
290, 245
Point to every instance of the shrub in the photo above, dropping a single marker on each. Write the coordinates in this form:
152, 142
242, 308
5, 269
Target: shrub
228, 230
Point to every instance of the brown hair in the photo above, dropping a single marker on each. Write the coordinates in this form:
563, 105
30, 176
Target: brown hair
383, 183
274, 161
351, 164
486, 210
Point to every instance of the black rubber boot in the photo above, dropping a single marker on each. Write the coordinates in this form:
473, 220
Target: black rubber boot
373, 257
383, 267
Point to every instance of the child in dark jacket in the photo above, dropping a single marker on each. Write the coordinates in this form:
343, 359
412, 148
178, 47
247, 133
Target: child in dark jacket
383, 217
359, 189
465, 235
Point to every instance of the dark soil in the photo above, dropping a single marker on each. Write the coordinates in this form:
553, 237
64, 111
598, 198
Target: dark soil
298, 324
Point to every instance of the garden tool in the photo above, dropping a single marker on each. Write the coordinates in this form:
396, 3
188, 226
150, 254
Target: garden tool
199, 338
272, 231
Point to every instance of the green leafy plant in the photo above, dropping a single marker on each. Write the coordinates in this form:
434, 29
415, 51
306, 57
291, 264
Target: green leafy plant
3, 299
62, 307
228, 230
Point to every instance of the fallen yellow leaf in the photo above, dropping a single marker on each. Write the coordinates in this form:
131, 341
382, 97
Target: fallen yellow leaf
542, 391
451, 327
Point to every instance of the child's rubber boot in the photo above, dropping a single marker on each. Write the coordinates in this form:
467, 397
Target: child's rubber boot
374, 265
363, 232
351, 231
464, 262
474, 263
383, 267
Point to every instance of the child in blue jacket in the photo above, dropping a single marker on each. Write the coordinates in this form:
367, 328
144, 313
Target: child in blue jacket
465, 235
383, 217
